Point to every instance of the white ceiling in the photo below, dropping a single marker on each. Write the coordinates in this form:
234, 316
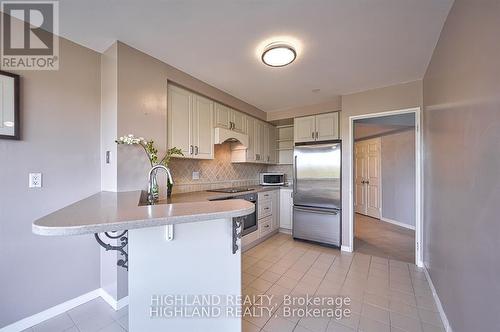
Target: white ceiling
345, 45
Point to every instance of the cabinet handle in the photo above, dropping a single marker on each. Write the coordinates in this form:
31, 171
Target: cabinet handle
266, 208
266, 226
190, 149
196, 150
317, 135
312, 135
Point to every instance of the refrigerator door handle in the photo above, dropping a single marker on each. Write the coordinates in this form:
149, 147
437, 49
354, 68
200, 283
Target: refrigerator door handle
295, 175
320, 211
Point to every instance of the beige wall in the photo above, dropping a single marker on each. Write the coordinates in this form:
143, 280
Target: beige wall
401, 96
109, 117
60, 125
330, 106
462, 162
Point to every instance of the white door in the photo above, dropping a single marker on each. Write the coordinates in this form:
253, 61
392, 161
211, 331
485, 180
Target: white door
238, 120
286, 208
367, 177
304, 129
276, 209
373, 206
203, 132
266, 157
251, 139
272, 145
359, 177
327, 126
258, 140
179, 119
222, 116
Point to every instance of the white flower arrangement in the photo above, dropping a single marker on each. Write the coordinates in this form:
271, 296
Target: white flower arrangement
131, 140
149, 148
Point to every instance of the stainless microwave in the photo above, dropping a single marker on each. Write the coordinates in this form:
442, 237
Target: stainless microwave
272, 179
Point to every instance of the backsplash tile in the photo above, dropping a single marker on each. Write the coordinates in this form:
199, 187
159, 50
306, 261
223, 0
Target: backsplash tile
287, 169
214, 174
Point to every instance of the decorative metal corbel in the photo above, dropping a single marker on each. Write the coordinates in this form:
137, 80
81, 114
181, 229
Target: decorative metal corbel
120, 248
237, 222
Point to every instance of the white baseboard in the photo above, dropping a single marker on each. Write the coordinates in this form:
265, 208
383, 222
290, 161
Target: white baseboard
346, 248
40, 317
28, 322
446, 323
397, 223
115, 304
285, 231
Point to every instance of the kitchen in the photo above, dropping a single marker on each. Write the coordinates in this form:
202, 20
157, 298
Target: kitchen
172, 156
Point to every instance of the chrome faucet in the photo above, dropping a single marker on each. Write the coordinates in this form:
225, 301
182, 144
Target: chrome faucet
152, 183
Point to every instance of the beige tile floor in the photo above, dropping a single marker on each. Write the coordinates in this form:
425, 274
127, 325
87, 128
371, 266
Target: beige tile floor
386, 295
382, 239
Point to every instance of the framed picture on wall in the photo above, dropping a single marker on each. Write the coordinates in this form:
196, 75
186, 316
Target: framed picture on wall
10, 126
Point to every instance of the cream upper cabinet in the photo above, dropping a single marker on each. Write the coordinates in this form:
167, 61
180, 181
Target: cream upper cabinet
222, 116
190, 123
265, 144
226, 117
179, 119
327, 126
273, 154
250, 151
238, 122
304, 129
261, 147
320, 127
203, 133
258, 141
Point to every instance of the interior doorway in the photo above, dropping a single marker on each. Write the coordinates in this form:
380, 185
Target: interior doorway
385, 193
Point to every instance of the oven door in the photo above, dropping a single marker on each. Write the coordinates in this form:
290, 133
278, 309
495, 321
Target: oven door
250, 222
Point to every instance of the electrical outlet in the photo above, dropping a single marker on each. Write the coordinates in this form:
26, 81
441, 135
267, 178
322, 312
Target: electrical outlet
35, 180
196, 175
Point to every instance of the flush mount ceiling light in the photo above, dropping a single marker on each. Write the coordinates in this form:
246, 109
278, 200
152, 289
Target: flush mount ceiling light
278, 54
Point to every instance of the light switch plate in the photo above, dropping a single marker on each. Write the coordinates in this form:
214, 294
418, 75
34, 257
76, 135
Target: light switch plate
196, 175
35, 180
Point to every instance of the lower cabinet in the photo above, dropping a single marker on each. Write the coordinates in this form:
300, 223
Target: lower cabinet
286, 208
268, 216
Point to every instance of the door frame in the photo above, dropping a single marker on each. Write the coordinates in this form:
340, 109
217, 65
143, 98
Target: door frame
418, 175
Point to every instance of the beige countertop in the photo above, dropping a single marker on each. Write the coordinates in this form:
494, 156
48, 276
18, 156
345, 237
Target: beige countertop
111, 211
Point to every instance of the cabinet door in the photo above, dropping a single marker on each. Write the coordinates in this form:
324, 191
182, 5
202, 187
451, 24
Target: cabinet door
286, 206
238, 120
250, 153
266, 157
273, 155
276, 209
179, 119
202, 128
327, 126
222, 116
304, 129
258, 141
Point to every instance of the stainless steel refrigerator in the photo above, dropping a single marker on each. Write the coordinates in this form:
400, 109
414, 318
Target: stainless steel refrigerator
317, 192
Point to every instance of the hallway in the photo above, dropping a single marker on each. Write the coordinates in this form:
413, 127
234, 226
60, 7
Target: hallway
382, 239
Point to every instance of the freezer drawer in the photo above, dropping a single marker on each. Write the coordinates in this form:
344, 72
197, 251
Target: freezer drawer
317, 225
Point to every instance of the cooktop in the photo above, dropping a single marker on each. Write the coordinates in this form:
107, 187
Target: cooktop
230, 190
